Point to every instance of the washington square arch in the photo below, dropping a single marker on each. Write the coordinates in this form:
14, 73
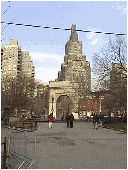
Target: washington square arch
73, 79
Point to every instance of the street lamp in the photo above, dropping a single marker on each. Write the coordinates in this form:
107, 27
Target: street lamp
68, 109
52, 104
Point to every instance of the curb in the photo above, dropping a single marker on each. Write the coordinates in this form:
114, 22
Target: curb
113, 129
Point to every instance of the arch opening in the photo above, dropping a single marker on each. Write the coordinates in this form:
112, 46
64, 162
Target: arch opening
63, 106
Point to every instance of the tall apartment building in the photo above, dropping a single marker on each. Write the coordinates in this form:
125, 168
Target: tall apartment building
75, 67
118, 76
15, 61
27, 65
118, 87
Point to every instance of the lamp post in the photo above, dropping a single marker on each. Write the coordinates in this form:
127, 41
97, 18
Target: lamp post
52, 105
68, 109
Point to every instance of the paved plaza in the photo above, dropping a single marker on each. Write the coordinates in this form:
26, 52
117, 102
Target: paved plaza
80, 147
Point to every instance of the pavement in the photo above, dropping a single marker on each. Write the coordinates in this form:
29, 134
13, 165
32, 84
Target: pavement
80, 147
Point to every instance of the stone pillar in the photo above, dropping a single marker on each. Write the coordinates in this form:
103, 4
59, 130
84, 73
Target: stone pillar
54, 109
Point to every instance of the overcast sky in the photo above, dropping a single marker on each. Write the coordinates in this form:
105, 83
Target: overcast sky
47, 46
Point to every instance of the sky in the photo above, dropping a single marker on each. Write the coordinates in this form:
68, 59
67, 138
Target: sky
47, 46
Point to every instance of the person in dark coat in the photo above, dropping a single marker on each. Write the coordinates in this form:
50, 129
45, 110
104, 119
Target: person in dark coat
67, 120
96, 121
101, 120
71, 120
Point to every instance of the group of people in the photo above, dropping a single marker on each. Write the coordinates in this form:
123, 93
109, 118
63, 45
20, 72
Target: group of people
69, 119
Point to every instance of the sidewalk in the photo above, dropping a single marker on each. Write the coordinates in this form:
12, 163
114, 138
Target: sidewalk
80, 147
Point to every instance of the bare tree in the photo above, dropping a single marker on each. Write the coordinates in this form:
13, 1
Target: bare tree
17, 92
42, 98
110, 73
3, 38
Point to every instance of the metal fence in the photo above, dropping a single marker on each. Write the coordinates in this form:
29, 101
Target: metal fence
20, 148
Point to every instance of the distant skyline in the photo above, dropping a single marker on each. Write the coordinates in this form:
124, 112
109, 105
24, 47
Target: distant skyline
47, 46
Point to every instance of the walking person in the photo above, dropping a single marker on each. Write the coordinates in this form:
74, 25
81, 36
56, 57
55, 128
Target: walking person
71, 120
67, 120
101, 120
50, 120
96, 121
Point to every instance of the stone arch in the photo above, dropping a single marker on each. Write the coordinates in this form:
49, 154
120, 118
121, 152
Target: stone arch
58, 88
